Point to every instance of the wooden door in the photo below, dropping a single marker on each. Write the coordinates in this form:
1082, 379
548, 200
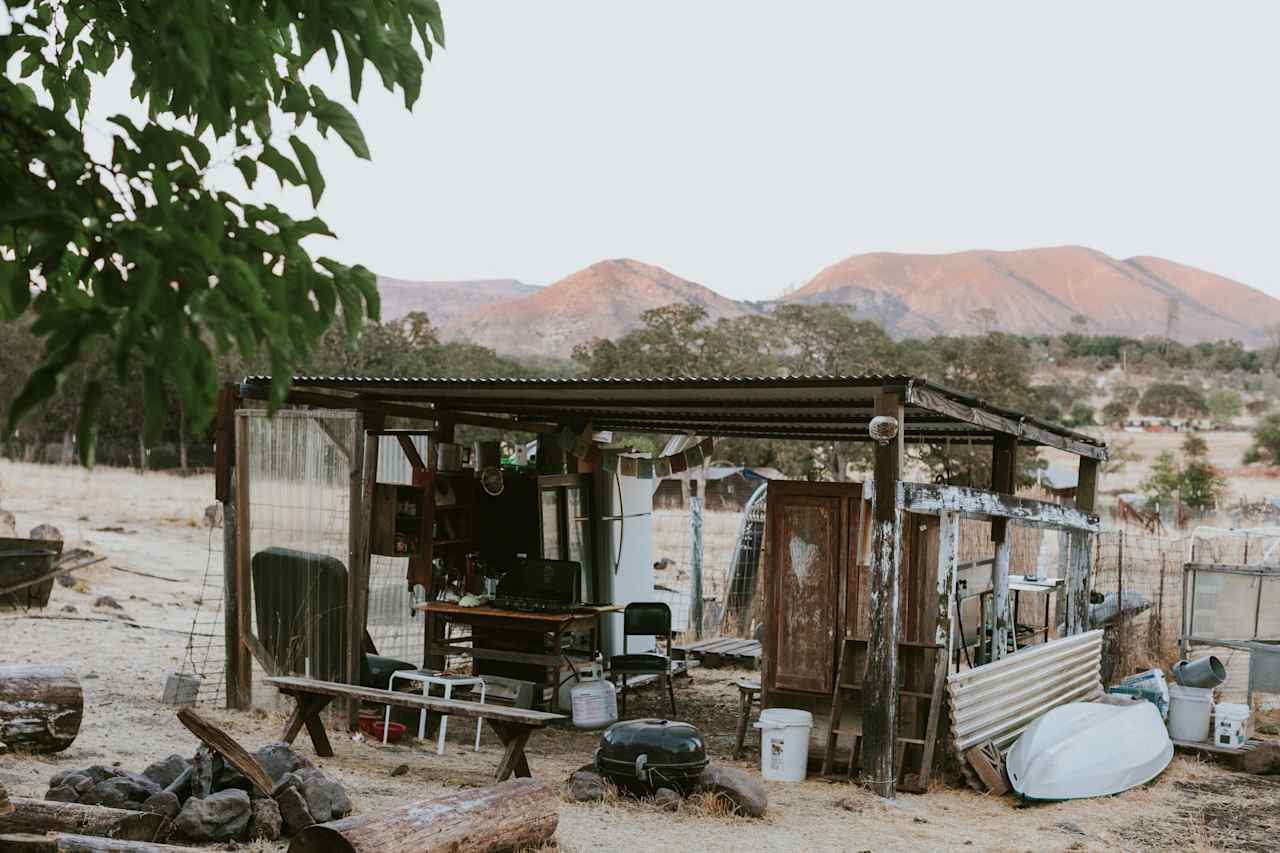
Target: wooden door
805, 532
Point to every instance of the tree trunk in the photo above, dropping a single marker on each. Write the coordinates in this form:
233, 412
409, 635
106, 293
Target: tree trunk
67, 843
40, 707
41, 816
509, 815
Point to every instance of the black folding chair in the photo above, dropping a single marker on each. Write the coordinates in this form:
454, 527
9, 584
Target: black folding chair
643, 619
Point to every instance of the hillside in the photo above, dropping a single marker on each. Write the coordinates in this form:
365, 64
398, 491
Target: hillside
445, 301
604, 300
1031, 291
1039, 291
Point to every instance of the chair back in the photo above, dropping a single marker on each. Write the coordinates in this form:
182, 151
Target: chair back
645, 618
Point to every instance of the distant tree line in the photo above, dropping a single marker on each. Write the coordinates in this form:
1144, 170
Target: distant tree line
680, 340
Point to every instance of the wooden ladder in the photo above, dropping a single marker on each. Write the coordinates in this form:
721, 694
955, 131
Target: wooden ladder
853, 664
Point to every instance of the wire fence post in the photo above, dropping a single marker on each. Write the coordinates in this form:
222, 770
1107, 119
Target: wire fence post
695, 565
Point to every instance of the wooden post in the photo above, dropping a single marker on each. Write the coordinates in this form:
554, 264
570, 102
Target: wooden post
225, 491
364, 474
695, 565
944, 635
1003, 480
880, 684
1079, 563
242, 695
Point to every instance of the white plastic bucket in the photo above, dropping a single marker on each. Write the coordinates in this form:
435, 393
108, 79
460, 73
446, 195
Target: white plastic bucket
1189, 709
784, 743
1231, 724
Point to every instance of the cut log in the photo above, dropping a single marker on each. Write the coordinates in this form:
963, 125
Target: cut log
40, 707
41, 816
67, 843
507, 816
6, 807
225, 745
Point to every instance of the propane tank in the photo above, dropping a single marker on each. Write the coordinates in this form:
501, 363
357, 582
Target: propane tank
594, 701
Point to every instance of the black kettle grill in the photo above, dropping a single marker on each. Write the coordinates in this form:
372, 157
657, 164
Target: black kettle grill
641, 756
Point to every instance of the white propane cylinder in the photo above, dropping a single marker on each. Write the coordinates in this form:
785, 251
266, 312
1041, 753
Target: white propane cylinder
595, 704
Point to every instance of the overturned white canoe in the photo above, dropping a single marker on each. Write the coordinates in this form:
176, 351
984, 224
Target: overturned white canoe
1089, 749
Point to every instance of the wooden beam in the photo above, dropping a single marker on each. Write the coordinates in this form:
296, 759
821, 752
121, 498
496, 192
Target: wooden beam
931, 499
880, 683
243, 692
935, 401
1087, 484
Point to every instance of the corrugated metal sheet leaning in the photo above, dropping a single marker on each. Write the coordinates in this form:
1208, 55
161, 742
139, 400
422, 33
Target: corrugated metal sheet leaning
997, 701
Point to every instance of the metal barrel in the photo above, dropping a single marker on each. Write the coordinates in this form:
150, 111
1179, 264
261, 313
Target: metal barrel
1206, 672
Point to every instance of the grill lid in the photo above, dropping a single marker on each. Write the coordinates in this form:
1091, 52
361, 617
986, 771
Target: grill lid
634, 749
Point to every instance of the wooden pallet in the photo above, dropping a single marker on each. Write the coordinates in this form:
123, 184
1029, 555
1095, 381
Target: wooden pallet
1208, 746
853, 664
720, 651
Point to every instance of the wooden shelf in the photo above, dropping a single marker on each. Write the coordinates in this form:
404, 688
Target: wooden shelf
449, 541
447, 507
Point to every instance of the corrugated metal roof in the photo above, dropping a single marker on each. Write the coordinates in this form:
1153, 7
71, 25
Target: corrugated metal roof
817, 407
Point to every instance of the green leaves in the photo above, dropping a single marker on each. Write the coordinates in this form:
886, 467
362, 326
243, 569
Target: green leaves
315, 180
331, 114
145, 270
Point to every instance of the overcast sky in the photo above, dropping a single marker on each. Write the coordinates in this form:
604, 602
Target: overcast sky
747, 145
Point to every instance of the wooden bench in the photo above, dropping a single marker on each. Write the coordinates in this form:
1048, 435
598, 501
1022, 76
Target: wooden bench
512, 725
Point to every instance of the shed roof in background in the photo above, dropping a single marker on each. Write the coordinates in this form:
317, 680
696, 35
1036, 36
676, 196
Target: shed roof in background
782, 407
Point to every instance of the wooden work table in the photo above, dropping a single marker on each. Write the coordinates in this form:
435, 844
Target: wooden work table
551, 626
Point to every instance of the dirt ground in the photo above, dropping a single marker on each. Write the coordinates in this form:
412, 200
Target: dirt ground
122, 655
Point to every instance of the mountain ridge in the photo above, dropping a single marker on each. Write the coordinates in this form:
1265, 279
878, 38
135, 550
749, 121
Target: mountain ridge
1026, 291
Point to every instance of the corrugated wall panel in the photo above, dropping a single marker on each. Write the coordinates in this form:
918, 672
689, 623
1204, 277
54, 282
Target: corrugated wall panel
997, 701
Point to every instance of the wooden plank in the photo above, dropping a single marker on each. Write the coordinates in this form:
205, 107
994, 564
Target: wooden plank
935, 401
931, 499
243, 693
454, 707
226, 746
259, 651
224, 443
880, 683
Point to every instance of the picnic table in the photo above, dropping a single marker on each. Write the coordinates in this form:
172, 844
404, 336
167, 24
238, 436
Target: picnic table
513, 726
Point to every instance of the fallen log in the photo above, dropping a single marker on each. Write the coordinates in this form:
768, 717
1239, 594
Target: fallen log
225, 745
509, 815
6, 807
41, 816
67, 843
40, 707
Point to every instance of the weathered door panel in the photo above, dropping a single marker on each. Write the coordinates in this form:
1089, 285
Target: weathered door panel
807, 551
813, 536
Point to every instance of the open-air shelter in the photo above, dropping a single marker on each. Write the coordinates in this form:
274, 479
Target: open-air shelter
859, 531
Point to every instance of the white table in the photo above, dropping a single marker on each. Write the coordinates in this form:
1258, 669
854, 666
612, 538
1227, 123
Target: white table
447, 682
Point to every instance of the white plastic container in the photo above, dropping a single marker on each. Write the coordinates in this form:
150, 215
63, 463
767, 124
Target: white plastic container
595, 704
1189, 710
1231, 724
784, 743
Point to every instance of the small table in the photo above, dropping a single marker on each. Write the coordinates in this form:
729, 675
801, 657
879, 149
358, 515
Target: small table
446, 681
552, 627
748, 695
